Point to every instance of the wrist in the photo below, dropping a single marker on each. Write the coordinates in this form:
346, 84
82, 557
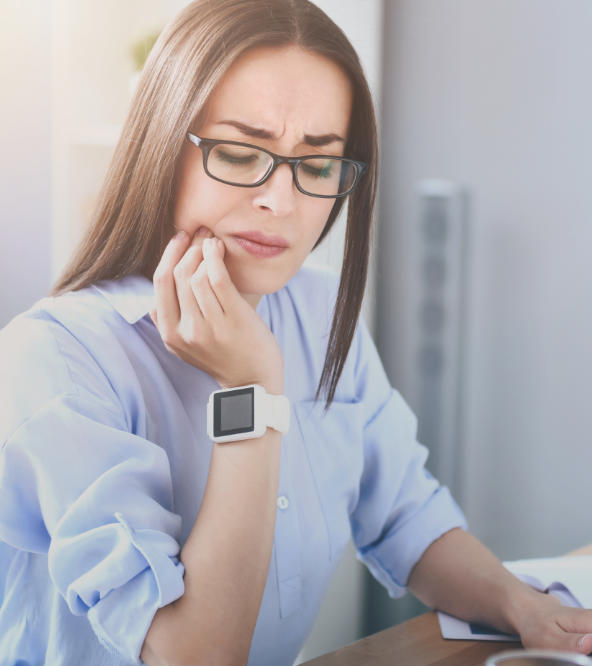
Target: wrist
521, 600
272, 382
273, 386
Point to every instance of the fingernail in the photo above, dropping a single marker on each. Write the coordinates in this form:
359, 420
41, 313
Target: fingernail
180, 234
202, 232
582, 640
220, 244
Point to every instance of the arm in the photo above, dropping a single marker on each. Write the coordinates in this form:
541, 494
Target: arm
459, 575
225, 567
204, 320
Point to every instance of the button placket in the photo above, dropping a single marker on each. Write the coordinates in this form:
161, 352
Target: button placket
283, 502
287, 540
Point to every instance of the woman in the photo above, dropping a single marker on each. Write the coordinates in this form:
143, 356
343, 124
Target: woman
126, 532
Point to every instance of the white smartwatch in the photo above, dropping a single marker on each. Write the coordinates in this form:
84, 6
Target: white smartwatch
245, 412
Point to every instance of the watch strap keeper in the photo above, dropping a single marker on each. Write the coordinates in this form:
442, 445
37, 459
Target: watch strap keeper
278, 412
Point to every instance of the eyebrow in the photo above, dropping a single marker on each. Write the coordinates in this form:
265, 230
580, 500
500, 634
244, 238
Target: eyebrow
257, 133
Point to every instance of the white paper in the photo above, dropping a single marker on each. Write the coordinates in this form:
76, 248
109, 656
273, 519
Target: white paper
452, 627
567, 578
572, 573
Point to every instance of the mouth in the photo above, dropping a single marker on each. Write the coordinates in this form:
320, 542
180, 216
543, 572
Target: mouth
260, 244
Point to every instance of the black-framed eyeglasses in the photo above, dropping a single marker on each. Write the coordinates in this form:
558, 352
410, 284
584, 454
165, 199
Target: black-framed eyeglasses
245, 165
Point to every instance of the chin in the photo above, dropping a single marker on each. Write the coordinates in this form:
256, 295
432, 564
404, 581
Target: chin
255, 282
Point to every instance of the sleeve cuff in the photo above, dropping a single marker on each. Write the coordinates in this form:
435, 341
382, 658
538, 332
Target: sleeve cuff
122, 629
392, 559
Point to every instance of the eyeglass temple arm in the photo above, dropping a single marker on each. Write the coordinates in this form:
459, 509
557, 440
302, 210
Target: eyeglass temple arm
194, 139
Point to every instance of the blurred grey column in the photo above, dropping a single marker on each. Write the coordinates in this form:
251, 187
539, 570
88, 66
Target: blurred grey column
436, 286
440, 276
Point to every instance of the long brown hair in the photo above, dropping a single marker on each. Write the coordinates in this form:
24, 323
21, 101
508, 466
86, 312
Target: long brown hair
133, 218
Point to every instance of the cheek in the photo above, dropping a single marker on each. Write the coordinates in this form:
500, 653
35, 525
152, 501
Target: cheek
201, 200
318, 215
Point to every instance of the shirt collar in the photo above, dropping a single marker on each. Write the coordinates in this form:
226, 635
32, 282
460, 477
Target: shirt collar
131, 296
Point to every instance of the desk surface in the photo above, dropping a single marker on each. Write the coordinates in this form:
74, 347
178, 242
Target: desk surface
417, 642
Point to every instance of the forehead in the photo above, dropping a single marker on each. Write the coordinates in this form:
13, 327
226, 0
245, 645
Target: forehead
286, 90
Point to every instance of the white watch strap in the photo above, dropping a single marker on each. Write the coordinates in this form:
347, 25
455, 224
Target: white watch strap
278, 412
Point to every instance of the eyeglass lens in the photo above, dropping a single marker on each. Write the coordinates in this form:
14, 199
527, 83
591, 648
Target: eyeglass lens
243, 165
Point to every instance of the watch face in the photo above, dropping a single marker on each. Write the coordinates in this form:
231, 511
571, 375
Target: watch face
234, 412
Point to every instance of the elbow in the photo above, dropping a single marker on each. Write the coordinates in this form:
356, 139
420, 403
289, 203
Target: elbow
173, 654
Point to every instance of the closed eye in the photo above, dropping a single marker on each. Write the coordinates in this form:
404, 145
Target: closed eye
318, 172
231, 158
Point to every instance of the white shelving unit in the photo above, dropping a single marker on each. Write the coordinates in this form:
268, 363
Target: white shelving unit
92, 69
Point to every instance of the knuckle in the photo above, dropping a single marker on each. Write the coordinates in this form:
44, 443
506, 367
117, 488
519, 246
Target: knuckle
178, 271
167, 335
161, 276
217, 280
221, 335
169, 348
199, 278
186, 329
195, 335
202, 279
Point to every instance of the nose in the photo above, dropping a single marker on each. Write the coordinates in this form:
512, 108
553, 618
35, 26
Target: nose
278, 193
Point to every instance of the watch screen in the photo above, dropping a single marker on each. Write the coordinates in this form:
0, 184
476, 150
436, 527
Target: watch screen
234, 412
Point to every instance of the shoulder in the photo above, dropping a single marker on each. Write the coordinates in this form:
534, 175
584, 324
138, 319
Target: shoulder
45, 353
55, 326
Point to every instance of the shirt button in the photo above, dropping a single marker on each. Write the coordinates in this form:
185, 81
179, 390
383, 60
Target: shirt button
283, 502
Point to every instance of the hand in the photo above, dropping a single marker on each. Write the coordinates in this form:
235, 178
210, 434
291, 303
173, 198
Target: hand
544, 623
204, 320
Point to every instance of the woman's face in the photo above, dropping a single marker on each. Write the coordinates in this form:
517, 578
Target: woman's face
291, 102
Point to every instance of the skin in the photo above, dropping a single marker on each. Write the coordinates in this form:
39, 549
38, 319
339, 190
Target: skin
276, 98
291, 94
207, 289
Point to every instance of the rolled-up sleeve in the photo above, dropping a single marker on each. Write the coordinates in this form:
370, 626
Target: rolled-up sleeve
401, 508
98, 500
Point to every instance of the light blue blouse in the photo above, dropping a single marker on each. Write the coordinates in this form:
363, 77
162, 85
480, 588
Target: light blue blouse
104, 459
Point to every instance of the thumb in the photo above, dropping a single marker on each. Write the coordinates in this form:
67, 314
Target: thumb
584, 643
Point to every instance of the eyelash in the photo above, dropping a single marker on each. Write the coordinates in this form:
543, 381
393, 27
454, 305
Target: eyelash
235, 159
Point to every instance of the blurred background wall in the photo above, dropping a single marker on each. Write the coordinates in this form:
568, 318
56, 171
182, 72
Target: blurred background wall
485, 109
493, 97
25, 154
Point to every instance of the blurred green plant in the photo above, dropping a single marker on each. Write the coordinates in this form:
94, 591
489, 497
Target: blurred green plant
142, 47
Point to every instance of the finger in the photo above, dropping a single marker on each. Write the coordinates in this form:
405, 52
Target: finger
165, 291
184, 271
570, 642
576, 620
577, 623
204, 295
222, 285
584, 644
154, 316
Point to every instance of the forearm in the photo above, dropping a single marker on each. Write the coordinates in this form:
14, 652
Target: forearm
226, 559
459, 575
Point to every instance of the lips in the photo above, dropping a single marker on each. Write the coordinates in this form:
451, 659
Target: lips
263, 239
259, 245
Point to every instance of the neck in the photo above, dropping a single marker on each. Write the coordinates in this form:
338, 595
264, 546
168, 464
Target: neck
252, 299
